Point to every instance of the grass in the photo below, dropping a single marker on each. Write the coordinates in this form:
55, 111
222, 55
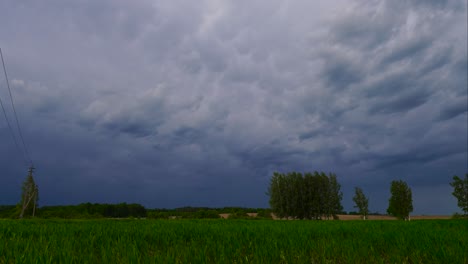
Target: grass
233, 241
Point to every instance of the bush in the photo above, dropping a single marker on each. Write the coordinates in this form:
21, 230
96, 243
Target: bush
459, 216
9, 211
239, 215
206, 214
157, 215
264, 214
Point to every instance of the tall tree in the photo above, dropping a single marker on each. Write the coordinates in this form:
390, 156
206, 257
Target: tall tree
309, 194
401, 200
362, 202
335, 195
316, 205
325, 197
29, 196
460, 191
279, 195
274, 191
297, 190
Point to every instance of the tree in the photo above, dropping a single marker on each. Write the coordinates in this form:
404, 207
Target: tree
460, 191
362, 202
335, 195
275, 191
296, 194
308, 196
30, 195
401, 201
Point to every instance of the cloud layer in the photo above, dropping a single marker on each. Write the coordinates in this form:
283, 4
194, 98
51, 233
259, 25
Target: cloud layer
197, 103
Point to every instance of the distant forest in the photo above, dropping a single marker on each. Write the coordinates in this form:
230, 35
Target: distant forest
124, 210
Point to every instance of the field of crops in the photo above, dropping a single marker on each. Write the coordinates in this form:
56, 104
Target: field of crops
233, 241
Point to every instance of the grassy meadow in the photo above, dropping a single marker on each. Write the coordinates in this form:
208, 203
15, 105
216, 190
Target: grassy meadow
233, 241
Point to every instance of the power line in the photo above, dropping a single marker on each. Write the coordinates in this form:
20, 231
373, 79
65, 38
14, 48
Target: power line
12, 133
25, 154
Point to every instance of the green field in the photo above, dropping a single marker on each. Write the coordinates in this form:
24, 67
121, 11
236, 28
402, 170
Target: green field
233, 241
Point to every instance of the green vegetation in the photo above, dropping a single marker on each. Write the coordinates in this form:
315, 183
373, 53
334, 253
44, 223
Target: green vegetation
81, 211
309, 196
460, 191
400, 203
88, 210
9, 211
124, 210
232, 241
362, 202
195, 214
29, 196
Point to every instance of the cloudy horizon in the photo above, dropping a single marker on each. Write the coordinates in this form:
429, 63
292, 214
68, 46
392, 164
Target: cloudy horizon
197, 103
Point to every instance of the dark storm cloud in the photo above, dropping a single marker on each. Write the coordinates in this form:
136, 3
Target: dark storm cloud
135, 129
410, 49
453, 109
417, 156
197, 103
340, 73
400, 102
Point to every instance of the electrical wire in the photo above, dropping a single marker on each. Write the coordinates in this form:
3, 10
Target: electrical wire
13, 134
25, 154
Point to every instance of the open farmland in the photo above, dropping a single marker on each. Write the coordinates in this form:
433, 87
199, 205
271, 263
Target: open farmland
388, 217
232, 241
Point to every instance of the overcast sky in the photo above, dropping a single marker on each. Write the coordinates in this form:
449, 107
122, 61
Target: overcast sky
197, 103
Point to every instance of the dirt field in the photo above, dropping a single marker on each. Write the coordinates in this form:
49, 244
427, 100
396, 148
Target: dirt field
420, 217
370, 217
387, 217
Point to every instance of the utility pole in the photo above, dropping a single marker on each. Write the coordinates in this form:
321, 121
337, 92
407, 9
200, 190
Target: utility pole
31, 170
35, 192
30, 192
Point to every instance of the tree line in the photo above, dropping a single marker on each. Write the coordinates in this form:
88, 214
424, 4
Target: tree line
293, 195
85, 210
124, 210
317, 195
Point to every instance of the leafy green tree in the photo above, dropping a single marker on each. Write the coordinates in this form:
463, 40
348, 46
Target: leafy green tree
460, 191
335, 195
362, 202
275, 193
308, 196
324, 198
295, 192
401, 201
29, 196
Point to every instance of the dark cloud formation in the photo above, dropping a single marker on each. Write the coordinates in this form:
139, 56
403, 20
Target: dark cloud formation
198, 102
